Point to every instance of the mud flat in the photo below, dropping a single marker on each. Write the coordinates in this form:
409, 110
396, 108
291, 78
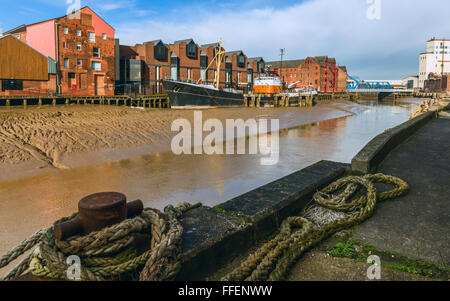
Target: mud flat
38, 140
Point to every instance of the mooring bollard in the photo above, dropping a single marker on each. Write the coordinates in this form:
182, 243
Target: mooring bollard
98, 211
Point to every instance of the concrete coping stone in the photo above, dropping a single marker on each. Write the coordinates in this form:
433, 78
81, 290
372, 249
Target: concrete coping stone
214, 236
370, 157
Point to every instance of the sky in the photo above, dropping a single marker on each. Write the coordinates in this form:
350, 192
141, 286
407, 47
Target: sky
375, 39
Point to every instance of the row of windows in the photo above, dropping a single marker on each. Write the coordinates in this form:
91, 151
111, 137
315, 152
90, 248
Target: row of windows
91, 35
96, 66
95, 50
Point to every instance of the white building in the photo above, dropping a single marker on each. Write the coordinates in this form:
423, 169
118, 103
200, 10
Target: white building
411, 82
436, 59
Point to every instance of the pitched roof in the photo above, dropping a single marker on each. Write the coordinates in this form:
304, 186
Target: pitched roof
237, 52
285, 64
321, 60
209, 45
251, 59
343, 68
187, 41
18, 29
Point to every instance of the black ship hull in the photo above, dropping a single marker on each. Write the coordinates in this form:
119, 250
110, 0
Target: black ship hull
186, 95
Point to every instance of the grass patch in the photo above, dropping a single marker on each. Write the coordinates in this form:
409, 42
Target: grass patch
360, 252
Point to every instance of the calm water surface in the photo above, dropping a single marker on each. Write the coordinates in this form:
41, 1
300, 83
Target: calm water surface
163, 178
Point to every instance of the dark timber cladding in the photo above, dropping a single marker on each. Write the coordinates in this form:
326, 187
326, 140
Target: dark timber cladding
20, 61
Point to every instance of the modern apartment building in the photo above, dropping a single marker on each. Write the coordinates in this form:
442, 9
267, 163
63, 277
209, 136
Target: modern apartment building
82, 44
436, 60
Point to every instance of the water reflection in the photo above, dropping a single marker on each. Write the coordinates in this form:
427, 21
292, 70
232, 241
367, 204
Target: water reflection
163, 178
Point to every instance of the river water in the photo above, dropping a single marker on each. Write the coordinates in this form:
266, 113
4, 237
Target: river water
29, 204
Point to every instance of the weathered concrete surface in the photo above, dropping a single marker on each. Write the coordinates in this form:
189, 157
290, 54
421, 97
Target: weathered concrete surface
369, 158
213, 237
418, 224
268, 206
317, 265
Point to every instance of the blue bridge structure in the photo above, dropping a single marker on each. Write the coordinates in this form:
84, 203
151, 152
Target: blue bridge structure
354, 85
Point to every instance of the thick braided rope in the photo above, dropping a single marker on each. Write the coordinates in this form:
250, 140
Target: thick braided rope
288, 246
49, 260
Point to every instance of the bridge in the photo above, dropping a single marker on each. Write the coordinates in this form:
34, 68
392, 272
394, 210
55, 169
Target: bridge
354, 85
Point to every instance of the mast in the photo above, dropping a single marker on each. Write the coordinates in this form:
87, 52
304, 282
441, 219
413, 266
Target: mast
219, 58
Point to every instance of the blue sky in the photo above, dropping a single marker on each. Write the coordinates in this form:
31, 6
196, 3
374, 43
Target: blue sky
387, 48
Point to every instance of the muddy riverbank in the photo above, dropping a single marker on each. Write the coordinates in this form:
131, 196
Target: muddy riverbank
39, 140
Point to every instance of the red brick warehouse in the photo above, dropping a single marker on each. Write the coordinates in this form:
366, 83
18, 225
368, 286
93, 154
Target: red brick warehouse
320, 72
82, 44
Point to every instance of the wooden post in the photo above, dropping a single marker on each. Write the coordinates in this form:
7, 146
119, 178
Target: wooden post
67, 101
8, 103
252, 101
24, 102
54, 101
40, 101
258, 101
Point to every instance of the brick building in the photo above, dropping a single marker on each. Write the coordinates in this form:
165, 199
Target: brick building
320, 72
24, 70
435, 83
236, 69
82, 44
183, 60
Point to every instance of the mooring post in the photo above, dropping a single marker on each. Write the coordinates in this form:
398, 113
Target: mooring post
97, 212
258, 101
24, 102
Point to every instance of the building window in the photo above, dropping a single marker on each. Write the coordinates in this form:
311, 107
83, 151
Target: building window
92, 37
96, 52
96, 66
79, 47
104, 36
203, 61
12, 84
79, 62
65, 30
241, 61
191, 50
66, 45
78, 33
66, 63
160, 52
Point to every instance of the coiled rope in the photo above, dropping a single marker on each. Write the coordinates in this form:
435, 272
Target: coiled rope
297, 234
108, 253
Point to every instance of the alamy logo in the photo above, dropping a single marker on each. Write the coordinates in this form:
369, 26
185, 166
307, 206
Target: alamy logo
374, 9
74, 269
374, 271
260, 139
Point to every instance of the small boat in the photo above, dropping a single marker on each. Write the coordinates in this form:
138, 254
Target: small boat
184, 94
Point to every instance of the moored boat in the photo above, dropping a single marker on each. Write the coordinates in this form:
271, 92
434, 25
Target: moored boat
183, 94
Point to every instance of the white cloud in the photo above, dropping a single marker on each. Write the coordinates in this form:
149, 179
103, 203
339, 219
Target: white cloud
371, 48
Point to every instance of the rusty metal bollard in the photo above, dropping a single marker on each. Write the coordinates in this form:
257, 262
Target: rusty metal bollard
98, 211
